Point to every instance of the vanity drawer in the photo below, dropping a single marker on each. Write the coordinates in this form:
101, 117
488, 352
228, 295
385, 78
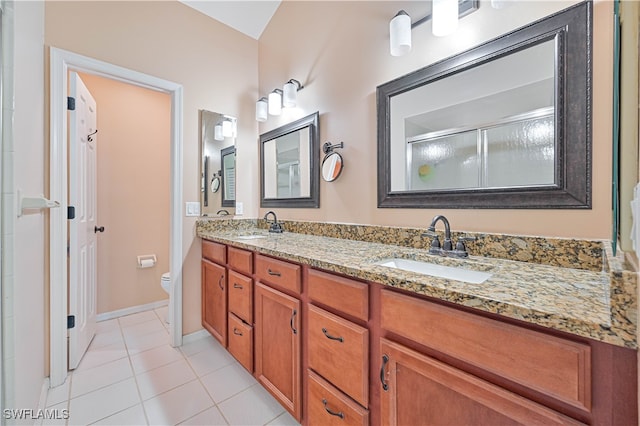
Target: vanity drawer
214, 252
241, 342
339, 352
240, 260
241, 296
343, 294
328, 406
553, 366
278, 272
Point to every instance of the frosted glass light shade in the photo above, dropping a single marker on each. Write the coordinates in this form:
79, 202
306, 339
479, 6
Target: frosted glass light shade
275, 103
217, 132
499, 4
444, 17
290, 95
261, 110
227, 129
400, 34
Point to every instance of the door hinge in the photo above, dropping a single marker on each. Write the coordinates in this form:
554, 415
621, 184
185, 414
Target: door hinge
71, 103
71, 212
71, 321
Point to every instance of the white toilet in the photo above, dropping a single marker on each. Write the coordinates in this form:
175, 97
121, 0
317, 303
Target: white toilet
165, 282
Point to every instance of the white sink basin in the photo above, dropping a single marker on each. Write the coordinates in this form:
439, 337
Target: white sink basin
435, 270
250, 237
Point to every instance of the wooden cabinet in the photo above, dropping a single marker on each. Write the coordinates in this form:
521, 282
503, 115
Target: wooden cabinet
277, 346
279, 273
330, 407
418, 390
339, 352
214, 300
240, 339
241, 296
558, 368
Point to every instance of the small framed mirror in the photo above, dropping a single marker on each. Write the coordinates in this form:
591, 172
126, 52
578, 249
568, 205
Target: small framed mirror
217, 135
289, 158
506, 124
331, 166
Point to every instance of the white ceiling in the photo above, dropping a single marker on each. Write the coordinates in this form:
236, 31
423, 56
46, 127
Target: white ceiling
247, 16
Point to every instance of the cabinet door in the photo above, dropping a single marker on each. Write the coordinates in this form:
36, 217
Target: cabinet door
277, 346
214, 300
418, 390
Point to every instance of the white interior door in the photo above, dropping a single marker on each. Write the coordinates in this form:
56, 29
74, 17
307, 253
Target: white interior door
83, 228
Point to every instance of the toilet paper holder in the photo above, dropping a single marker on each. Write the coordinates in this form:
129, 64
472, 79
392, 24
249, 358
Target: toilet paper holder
147, 261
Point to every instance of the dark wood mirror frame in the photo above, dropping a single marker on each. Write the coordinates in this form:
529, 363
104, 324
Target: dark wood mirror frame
572, 190
313, 201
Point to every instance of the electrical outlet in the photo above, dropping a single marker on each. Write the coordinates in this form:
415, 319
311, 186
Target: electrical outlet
239, 208
192, 208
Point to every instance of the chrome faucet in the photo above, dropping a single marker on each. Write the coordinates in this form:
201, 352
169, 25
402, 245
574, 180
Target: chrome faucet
275, 225
447, 246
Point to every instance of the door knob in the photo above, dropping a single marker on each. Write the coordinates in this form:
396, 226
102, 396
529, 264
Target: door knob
96, 229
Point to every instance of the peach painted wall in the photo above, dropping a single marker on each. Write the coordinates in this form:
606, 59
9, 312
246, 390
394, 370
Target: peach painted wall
216, 65
133, 141
340, 52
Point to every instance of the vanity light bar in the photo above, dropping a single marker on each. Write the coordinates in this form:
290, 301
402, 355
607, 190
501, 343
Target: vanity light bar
286, 97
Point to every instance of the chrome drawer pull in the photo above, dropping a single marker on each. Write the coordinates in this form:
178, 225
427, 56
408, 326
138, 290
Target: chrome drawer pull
339, 339
274, 273
220, 282
385, 359
236, 285
333, 413
237, 332
293, 316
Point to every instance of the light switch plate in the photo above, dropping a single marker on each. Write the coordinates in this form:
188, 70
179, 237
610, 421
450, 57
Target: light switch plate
239, 208
192, 208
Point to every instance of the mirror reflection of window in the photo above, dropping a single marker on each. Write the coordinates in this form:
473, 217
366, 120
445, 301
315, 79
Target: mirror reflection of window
228, 176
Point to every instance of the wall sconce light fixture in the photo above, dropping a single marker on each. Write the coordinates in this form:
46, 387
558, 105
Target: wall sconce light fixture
286, 97
227, 128
217, 132
275, 102
261, 109
290, 93
445, 15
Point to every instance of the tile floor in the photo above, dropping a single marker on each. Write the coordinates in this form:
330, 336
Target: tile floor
131, 376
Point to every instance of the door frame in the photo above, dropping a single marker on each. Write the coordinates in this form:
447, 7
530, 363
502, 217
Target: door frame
61, 61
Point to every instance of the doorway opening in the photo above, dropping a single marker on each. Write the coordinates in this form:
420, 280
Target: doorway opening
61, 62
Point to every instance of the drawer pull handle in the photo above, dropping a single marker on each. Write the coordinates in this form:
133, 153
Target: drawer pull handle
274, 273
236, 285
220, 282
385, 360
237, 332
333, 413
339, 339
293, 316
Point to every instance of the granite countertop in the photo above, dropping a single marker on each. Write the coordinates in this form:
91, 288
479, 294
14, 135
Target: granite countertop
595, 304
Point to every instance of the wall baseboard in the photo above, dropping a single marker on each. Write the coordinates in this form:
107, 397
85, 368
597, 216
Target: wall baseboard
196, 335
131, 310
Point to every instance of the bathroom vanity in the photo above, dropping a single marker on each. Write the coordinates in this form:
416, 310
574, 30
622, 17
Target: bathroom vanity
339, 339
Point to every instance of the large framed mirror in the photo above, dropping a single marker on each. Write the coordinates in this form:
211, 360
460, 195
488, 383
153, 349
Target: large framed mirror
506, 124
217, 140
289, 158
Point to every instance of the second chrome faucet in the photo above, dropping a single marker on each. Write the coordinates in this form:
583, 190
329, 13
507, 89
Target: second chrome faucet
446, 249
274, 226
